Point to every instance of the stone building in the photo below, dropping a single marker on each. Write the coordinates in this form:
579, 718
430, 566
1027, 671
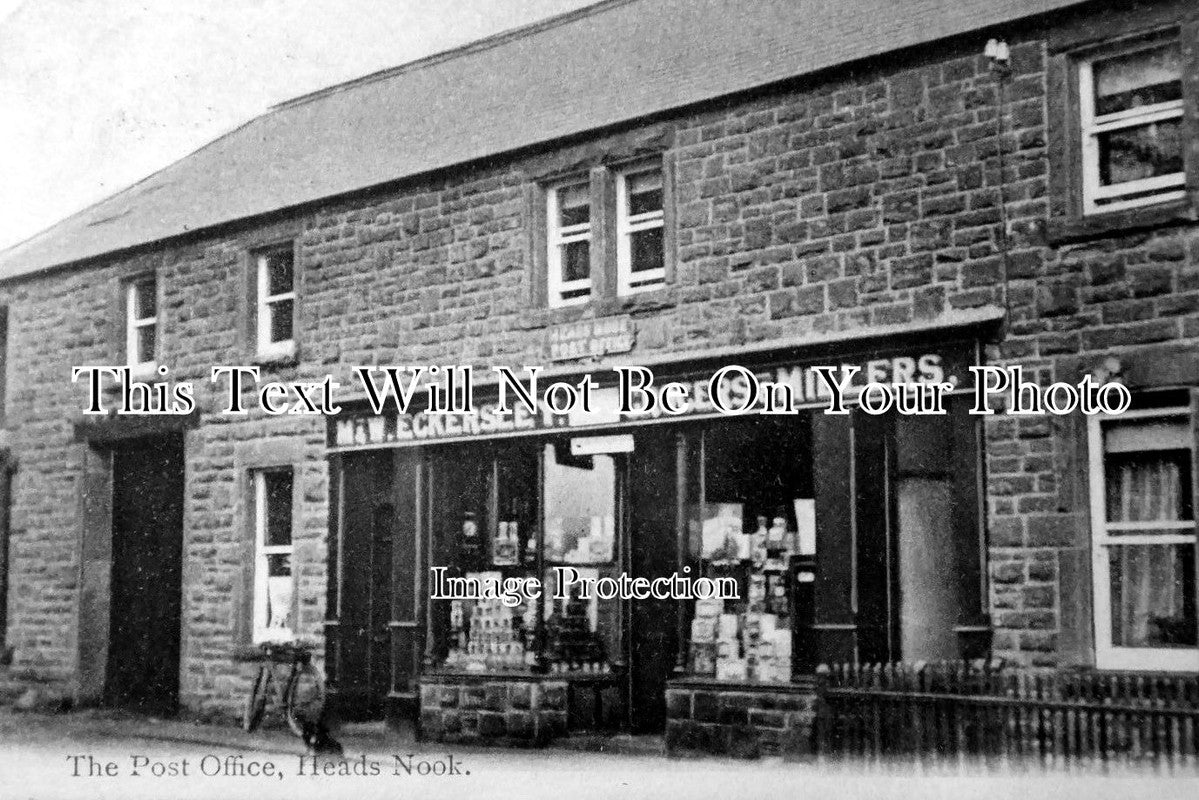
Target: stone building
682, 185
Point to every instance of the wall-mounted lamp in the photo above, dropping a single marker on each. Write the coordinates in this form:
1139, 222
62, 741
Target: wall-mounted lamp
999, 55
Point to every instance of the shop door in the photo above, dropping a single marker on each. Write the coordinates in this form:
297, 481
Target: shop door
147, 568
653, 553
368, 535
898, 521
874, 539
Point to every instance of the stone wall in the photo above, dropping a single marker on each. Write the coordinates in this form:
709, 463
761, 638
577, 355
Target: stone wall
743, 721
521, 712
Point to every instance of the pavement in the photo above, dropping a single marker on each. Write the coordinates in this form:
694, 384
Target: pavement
103, 755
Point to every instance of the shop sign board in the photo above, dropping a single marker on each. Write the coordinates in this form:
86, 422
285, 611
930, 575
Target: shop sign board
352, 430
590, 338
595, 445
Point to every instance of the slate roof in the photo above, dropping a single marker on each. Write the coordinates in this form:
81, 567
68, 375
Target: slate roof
605, 64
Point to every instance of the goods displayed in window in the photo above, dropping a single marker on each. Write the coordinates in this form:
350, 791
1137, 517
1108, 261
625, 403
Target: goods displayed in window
492, 540
572, 643
488, 536
489, 635
751, 640
755, 523
579, 503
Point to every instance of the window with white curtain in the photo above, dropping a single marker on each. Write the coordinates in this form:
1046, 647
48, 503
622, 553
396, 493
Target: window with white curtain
1143, 533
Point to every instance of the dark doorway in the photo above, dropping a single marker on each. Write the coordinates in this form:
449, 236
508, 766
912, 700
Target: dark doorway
383, 523
147, 569
653, 553
874, 539
368, 537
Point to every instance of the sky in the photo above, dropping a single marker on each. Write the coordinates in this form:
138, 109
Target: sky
97, 94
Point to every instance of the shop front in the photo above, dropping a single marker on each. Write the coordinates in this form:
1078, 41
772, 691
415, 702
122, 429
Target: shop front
764, 544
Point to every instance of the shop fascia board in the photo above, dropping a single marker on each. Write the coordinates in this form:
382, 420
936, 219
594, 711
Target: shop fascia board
980, 319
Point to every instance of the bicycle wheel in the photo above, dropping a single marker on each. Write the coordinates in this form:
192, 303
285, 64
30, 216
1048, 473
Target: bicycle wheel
256, 702
304, 698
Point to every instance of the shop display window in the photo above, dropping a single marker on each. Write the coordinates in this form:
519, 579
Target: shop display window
483, 511
519, 512
582, 633
751, 516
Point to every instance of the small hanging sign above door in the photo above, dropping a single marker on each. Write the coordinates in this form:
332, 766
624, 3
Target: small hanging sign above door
595, 445
590, 338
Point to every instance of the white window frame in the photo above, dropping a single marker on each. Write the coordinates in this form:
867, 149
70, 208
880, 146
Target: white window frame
626, 225
559, 235
134, 324
1169, 187
1107, 655
266, 308
261, 631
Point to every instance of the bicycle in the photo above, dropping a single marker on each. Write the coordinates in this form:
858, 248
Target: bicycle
303, 695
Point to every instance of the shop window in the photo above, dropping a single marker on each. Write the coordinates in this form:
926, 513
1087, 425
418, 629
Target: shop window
580, 534
274, 580
485, 529
751, 517
141, 324
275, 303
1143, 535
1120, 155
607, 235
487, 519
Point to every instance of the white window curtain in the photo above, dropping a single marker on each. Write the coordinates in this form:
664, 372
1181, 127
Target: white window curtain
1149, 582
1145, 490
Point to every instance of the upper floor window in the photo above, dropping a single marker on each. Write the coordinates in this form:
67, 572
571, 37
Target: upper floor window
1143, 540
1122, 124
1131, 105
141, 323
568, 230
274, 585
276, 302
640, 220
606, 234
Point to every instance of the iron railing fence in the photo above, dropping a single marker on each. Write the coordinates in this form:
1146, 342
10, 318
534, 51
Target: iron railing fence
987, 714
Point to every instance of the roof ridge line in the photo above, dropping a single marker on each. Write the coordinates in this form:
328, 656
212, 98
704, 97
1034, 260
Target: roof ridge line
465, 49
115, 194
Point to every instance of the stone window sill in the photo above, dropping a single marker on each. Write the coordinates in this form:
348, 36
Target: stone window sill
600, 307
1067, 230
658, 299
279, 360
